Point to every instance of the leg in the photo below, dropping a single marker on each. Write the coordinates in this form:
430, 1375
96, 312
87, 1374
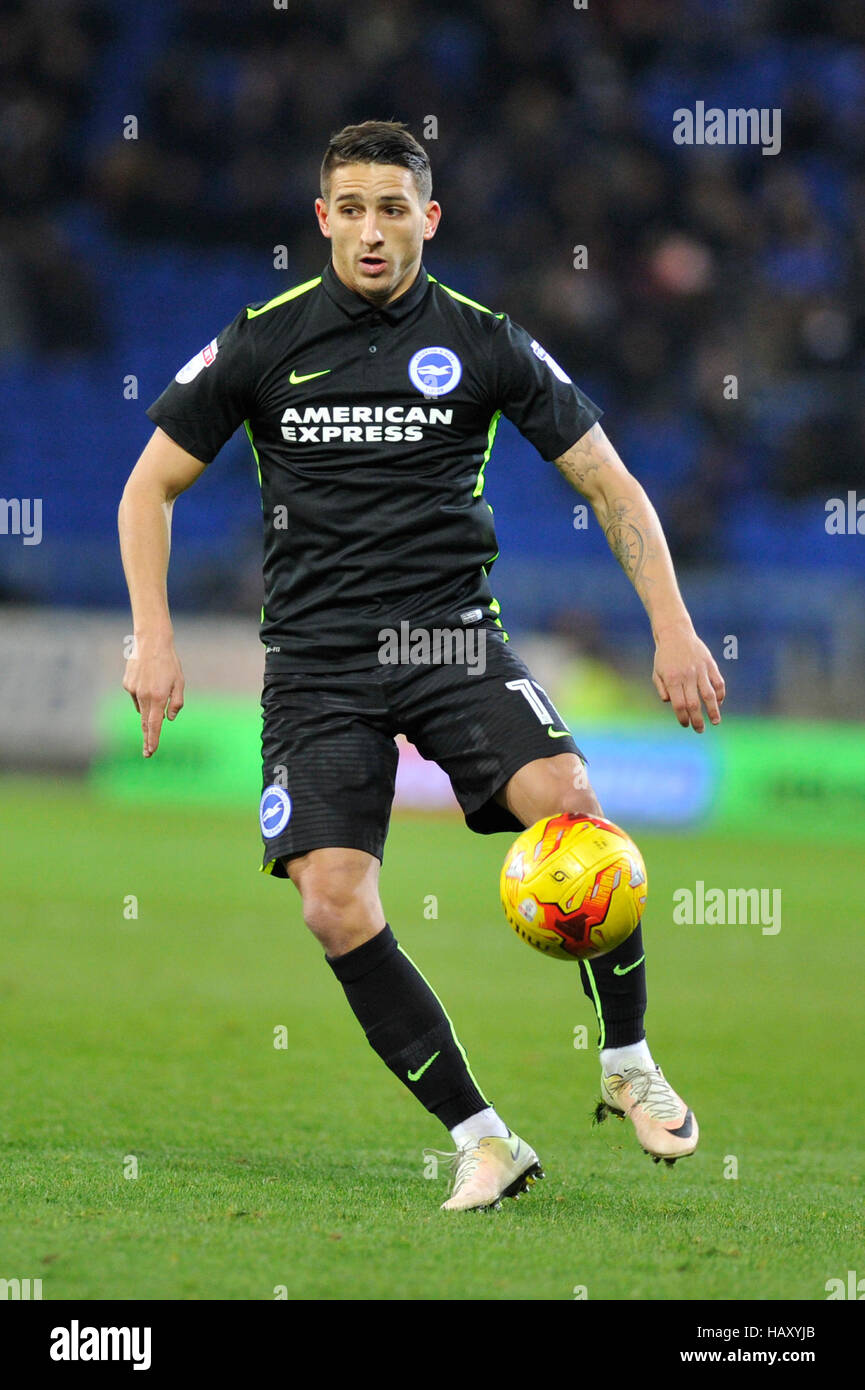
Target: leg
403, 1019
494, 734
631, 1083
339, 888
547, 786
616, 982
329, 766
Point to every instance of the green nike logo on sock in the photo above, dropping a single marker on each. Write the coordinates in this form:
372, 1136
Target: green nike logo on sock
416, 1075
558, 733
623, 969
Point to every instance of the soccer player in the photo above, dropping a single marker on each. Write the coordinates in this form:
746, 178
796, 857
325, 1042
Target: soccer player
371, 395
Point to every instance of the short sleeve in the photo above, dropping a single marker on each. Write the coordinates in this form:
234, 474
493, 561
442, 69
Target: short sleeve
213, 394
536, 394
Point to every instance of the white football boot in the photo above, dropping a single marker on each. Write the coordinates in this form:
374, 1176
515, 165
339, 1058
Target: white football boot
666, 1127
486, 1170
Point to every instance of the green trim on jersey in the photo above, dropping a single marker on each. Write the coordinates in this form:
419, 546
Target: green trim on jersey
494, 603
248, 427
463, 299
491, 439
284, 298
496, 607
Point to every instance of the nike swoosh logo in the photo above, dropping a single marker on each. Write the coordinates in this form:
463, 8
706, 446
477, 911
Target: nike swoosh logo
559, 733
623, 969
416, 1075
686, 1128
515, 1153
295, 380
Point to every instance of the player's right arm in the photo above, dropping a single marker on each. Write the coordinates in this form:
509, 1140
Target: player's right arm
153, 676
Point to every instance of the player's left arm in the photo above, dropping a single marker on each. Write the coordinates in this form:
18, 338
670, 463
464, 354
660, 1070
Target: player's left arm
685, 671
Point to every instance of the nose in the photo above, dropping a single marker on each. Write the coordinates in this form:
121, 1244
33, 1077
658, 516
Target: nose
370, 235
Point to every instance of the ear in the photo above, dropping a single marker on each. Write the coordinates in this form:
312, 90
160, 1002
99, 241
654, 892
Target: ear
432, 217
321, 214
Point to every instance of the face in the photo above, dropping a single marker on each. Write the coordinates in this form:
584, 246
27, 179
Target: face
377, 226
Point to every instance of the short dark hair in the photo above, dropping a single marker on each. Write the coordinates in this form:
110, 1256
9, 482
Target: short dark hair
378, 142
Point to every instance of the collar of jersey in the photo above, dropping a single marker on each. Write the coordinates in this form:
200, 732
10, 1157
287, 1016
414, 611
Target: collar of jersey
356, 306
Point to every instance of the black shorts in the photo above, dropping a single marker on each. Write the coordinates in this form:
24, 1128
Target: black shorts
329, 758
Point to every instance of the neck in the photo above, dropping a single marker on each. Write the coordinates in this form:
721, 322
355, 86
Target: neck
382, 297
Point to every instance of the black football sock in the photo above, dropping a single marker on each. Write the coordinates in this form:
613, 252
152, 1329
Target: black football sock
406, 1025
616, 985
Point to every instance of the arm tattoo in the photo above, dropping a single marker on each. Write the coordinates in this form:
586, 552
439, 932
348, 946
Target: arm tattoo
581, 459
629, 524
626, 540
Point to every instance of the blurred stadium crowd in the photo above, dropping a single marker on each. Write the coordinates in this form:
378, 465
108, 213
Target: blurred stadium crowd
553, 130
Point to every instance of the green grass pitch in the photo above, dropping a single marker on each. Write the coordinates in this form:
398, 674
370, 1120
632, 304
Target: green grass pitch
260, 1167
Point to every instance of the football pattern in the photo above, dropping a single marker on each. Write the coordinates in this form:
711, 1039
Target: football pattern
573, 887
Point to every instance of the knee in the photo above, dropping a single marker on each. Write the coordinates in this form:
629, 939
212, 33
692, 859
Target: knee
568, 789
580, 801
332, 916
341, 908
548, 786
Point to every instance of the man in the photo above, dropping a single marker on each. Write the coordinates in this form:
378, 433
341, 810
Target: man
371, 395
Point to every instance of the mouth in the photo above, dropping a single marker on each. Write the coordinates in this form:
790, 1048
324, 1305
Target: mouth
373, 265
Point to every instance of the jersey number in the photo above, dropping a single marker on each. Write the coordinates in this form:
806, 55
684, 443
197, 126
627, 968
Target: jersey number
529, 689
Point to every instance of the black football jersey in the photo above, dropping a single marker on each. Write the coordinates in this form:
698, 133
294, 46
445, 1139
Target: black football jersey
372, 430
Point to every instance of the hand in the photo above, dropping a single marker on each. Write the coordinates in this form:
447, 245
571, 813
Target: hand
685, 673
154, 679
